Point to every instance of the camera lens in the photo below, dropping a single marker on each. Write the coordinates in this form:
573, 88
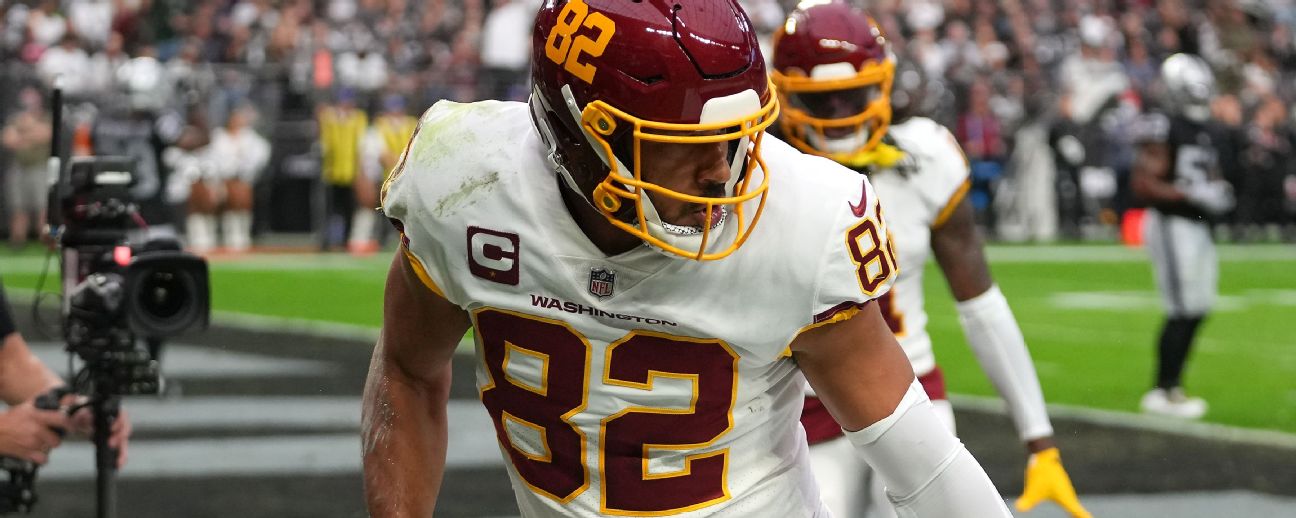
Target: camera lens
167, 293
163, 300
164, 294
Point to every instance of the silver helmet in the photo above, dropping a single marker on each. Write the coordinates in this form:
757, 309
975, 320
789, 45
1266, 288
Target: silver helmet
1189, 86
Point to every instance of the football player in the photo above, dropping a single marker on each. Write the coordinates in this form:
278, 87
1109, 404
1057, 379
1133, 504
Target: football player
834, 72
1176, 175
641, 340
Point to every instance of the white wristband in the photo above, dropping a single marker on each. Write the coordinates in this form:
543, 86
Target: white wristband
927, 470
999, 347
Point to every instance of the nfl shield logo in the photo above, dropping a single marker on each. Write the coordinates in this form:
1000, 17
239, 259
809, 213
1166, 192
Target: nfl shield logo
601, 282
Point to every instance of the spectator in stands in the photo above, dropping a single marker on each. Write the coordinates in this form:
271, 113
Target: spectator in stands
67, 61
1092, 81
1266, 161
1140, 67
1289, 217
27, 137
384, 143
341, 10
1032, 166
927, 51
102, 71
1092, 76
91, 20
1228, 137
766, 17
294, 51
982, 139
362, 70
193, 75
341, 128
1260, 76
959, 53
45, 28
191, 184
506, 49
237, 156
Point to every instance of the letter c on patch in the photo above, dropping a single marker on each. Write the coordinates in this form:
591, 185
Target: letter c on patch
493, 255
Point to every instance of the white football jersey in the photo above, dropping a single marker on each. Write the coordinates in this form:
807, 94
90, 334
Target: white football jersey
638, 384
917, 196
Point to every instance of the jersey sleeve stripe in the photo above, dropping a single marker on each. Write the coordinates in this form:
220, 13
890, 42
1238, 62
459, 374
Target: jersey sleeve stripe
953, 203
835, 314
422, 272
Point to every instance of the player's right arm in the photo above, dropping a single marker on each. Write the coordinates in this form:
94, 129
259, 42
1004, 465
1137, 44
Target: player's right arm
404, 407
1150, 180
1176, 179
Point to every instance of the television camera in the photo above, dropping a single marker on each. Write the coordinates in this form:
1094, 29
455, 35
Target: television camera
122, 297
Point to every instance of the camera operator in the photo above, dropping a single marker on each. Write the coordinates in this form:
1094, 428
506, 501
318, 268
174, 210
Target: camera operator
27, 432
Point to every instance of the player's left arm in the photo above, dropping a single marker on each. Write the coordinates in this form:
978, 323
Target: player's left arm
999, 347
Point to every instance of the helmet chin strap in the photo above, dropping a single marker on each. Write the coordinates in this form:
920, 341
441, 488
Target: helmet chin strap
539, 111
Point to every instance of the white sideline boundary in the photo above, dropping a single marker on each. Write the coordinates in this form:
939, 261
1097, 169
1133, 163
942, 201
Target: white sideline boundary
1132, 421
315, 328
984, 404
262, 323
1114, 253
996, 253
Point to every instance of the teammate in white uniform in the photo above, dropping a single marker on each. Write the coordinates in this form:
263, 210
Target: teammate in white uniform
641, 341
834, 71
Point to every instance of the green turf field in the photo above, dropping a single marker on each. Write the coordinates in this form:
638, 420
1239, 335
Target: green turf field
1089, 313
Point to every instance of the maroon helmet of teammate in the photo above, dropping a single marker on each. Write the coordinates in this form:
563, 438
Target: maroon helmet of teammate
833, 68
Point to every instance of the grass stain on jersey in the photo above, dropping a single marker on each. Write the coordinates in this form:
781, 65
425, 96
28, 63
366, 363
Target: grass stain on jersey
439, 134
466, 194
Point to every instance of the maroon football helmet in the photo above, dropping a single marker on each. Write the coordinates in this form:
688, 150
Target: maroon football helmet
610, 74
833, 68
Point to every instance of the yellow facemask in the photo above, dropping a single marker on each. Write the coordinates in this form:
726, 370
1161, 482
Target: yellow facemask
802, 129
625, 184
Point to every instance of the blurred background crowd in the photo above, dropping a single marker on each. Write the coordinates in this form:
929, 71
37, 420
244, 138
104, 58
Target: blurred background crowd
252, 117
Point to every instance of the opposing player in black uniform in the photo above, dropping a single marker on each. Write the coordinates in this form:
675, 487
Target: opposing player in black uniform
1176, 175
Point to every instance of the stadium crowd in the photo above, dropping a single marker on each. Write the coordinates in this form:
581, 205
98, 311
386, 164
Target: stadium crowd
1040, 93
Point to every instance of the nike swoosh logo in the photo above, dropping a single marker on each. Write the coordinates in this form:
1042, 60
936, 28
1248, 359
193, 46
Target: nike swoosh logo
858, 210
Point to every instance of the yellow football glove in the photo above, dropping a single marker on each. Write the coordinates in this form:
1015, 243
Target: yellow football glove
1046, 479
